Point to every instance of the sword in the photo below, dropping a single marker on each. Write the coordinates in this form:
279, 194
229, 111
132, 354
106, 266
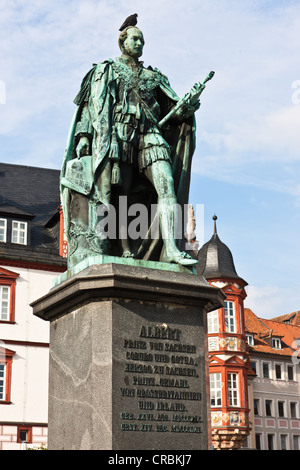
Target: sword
185, 99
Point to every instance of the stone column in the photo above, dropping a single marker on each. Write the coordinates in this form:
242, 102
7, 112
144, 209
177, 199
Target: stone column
128, 359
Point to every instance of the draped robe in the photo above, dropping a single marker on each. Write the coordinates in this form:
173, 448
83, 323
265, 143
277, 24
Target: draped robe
98, 101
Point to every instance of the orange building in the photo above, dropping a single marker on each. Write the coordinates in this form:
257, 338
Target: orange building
229, 360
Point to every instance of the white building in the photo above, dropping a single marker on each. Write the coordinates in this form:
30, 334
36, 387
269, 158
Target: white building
29, 261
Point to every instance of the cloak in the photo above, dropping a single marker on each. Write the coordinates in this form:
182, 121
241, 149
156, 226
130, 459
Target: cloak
98, 92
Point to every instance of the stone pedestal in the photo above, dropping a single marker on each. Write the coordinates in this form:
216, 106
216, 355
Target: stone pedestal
128, 359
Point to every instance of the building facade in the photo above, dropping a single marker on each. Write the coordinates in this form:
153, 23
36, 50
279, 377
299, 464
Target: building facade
31, 256
274, 347
229, 360
253, 364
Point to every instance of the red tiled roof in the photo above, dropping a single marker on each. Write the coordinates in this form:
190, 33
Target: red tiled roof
253, 323
263, 329
292, 318
288, 332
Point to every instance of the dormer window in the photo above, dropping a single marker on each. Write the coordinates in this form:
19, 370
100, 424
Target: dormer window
276, 343
3, 230
250, 339
19, 232
15, 225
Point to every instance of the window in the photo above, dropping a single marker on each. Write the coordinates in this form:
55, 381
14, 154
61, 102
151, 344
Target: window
294, 409
269, 406
246, 443
258, 441
215, 390
276, 343
229, 316
256, 406
3, 226
296, 440
290, 372
4, 302
253, 366
7, 295
213, 322
24, 434
283, 441
233, 392
19, 232
270, 438
241, 319
281, 409
250, 340
6, 357
278, 371
2, 381
266, 370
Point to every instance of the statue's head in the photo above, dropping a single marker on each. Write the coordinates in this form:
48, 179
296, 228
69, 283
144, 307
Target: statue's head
131, 42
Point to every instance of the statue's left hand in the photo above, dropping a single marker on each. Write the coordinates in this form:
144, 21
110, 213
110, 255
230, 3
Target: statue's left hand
83, 147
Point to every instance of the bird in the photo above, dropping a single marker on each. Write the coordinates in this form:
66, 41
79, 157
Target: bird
130, 21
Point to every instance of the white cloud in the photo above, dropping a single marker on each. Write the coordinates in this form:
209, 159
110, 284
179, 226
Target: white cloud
262, 151
269, 301
275, 136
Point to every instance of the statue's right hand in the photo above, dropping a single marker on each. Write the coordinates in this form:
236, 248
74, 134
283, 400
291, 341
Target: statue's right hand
83, 147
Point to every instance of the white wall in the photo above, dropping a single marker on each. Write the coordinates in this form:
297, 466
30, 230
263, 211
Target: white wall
31, 284
29, 380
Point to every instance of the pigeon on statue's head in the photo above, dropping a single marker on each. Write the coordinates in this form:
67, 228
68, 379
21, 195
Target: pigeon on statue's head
130, 21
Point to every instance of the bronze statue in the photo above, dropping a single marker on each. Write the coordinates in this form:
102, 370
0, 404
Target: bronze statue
121, 146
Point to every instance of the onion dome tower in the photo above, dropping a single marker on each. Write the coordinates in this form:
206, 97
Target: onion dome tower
215, 259
229, 360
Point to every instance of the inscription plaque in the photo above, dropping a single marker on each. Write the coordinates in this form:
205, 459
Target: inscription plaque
162, 382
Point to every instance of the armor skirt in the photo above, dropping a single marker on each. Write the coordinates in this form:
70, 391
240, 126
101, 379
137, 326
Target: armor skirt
140, 144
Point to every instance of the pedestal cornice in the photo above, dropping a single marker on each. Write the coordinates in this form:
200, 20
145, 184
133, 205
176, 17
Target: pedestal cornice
127, 282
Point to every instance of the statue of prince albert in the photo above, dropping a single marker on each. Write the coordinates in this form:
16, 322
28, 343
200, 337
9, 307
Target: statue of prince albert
119, 144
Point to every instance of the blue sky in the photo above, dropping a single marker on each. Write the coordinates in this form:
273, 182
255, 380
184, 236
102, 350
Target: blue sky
246, 165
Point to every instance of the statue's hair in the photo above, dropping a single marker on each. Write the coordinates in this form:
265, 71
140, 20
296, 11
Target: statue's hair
123, 36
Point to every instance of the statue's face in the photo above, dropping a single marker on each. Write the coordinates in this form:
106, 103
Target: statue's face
134, 43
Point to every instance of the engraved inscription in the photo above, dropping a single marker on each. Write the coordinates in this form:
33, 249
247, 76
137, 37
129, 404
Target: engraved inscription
161, 372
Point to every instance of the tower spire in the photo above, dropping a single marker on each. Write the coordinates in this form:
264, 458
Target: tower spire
215, 224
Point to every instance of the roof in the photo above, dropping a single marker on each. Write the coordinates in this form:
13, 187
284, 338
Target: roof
32, 194
290, 318
263, 330
216, 260
13, 210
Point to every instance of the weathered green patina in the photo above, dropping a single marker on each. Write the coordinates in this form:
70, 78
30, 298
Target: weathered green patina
119, 145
